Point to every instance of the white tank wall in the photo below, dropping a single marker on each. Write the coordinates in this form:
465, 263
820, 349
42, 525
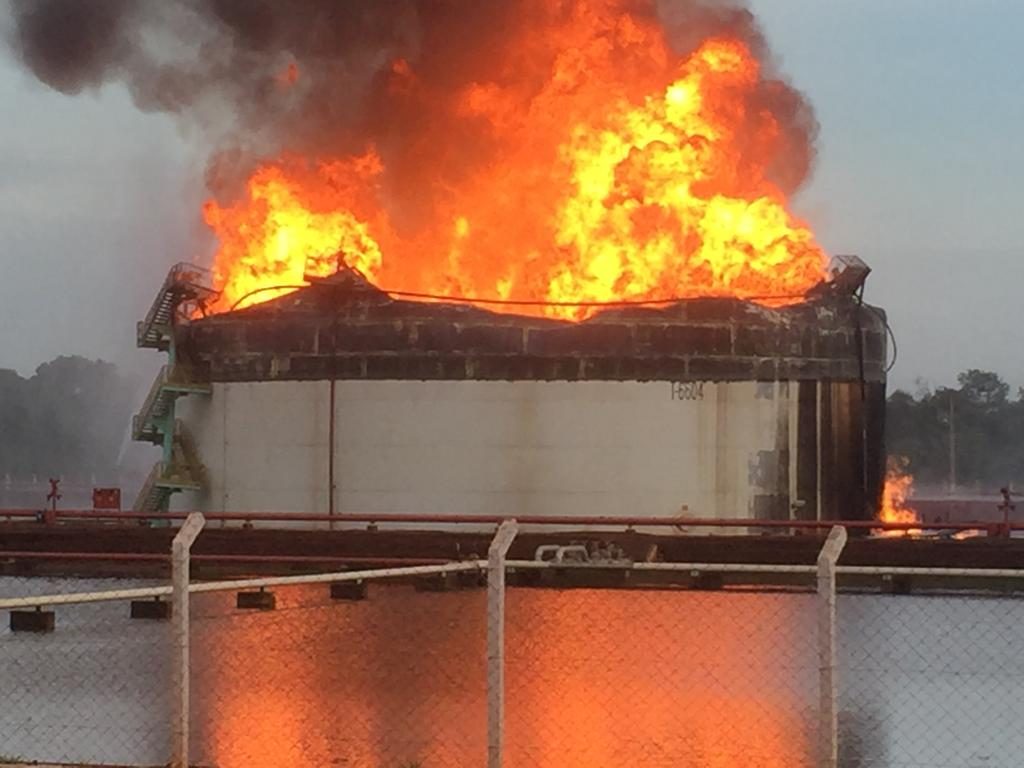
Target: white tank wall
476, 447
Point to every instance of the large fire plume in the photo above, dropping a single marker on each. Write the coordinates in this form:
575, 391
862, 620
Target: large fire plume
895, 507
625, 172
558, 151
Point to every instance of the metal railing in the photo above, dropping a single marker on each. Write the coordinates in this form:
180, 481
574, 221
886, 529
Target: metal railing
184, 282
148, 497
534, 671
680, 523
169, 383
146, 413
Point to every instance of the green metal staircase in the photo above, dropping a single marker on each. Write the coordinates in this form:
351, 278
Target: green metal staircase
185, 284
184, 472
155, 418
185, 288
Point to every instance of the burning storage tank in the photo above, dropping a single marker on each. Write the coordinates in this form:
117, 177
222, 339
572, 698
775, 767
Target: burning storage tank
564, 156
601, 168
339, 398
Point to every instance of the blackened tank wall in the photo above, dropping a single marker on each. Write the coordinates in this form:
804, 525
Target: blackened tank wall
320, 335
841, 462
790, 423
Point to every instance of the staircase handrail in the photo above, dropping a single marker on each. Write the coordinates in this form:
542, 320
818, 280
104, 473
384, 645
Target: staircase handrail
147, 487
184, 281
154, 393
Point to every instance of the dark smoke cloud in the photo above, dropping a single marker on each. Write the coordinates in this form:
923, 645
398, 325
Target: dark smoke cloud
688, 22
204, 59
220, 64
72, 45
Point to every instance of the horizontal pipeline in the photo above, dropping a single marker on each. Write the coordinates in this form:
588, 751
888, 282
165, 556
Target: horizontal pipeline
561, 520
214, 558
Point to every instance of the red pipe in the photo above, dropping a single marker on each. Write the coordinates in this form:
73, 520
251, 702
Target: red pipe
112, 556
330, 456
158, 556
396, 561
629, 521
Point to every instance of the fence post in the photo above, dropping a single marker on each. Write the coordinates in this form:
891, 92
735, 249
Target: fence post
180, 549
828, 695
496, 640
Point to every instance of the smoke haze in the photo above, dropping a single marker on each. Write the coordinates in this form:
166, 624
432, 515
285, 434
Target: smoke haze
318, 78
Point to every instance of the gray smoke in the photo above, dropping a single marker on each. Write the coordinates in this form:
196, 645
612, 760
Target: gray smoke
222, 65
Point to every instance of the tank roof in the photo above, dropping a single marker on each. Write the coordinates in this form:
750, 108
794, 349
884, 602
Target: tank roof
343, 327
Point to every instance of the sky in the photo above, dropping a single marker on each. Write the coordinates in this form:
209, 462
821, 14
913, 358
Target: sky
920, 170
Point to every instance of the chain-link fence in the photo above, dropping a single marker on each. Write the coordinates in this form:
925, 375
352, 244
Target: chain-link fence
396, 679
423, 667
660, 678
931, 681
93, 689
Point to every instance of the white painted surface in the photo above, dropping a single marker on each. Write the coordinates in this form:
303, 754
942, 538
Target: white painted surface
473, 447
264, 446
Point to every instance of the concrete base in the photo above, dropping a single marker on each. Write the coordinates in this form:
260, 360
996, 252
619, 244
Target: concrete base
158, 610
349, 590
259, 601
570, 578
471, 579
449, 582
707, 581
33, 621
441, 582
897, 584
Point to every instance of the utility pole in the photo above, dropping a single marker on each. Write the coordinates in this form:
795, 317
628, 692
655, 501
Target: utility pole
952, 442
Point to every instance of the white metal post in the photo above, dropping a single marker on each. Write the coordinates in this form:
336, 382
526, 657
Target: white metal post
180, 549
828, 695
496, 640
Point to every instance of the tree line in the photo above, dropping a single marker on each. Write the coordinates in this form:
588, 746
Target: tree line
971, 433
69, 419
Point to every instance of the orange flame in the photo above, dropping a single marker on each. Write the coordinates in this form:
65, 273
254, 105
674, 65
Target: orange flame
596, 191
899, 487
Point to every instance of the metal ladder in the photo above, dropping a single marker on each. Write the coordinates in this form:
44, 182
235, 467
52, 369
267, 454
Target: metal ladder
186, 287
184, 472
151, 422
185, 283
